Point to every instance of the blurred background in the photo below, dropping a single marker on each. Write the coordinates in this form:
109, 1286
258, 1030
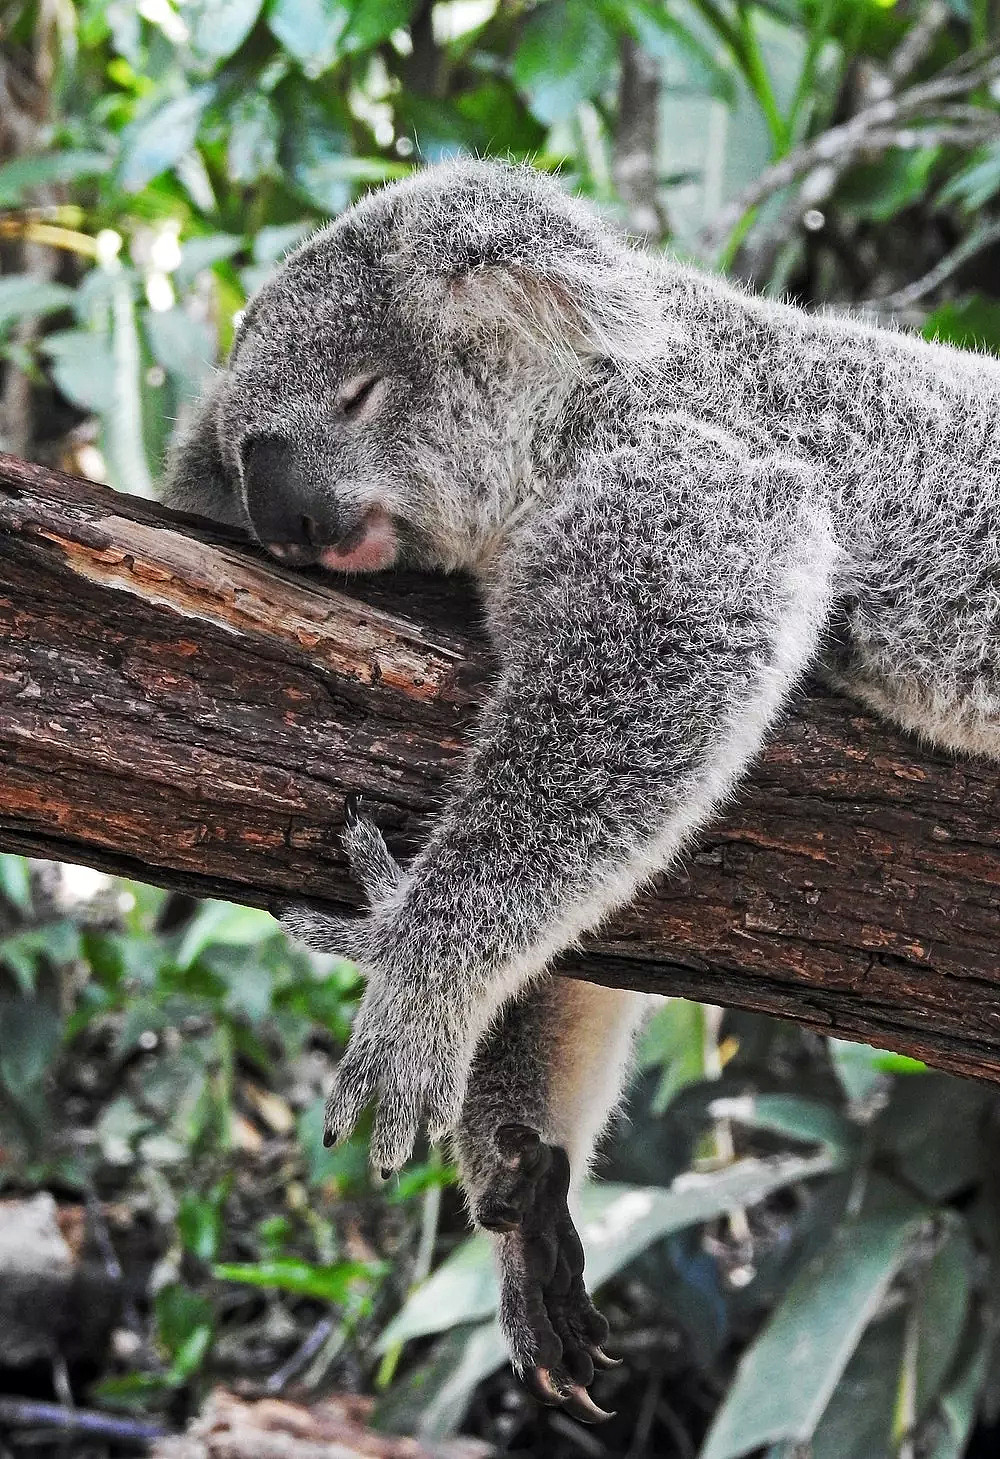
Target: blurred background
797, 1240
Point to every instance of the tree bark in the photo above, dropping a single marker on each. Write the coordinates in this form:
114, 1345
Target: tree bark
175, 708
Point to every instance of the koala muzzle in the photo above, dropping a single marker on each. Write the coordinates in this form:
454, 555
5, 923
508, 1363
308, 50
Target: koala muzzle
286, 509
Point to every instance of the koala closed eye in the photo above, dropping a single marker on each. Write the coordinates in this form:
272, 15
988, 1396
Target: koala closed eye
357, 393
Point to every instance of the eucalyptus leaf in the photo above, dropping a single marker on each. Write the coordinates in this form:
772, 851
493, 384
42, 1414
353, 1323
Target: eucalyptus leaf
310, 30
160, 137
334, 1283
83, 367
219, 27
22, 296
787, 1376
15, 881
226, 923
566, 55
22, 175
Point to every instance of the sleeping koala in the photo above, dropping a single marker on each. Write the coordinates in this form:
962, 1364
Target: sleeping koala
676, 499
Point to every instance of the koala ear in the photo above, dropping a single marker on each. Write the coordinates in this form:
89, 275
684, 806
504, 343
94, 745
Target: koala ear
488, 246
196, 478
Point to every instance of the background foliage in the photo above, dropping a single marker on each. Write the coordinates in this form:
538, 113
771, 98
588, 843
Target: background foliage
797, 1239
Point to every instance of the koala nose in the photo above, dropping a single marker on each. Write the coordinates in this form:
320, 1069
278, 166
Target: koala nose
282, 501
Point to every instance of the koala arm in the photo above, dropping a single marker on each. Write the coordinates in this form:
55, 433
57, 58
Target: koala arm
648, 645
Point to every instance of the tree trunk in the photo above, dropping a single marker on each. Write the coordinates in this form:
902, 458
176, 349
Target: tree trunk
174, 708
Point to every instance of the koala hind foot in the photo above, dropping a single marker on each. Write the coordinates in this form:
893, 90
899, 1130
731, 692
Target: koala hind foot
555, 1333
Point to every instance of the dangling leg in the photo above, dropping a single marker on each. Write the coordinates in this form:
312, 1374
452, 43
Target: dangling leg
544, 1082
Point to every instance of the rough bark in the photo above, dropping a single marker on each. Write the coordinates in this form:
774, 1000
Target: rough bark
174, 708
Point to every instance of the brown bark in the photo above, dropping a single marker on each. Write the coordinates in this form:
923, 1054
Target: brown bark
174, 708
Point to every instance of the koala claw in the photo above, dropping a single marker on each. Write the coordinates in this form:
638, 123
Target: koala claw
555, 1333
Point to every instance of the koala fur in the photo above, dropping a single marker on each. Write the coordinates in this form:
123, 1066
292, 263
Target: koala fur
676, 499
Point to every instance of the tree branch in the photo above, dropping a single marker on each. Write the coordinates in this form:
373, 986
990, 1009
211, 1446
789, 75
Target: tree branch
174, 708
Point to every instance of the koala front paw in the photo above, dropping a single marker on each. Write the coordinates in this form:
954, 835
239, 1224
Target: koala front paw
554, 1332
414, 1067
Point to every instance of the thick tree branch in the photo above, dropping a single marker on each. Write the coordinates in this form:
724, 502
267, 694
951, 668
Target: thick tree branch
173, 707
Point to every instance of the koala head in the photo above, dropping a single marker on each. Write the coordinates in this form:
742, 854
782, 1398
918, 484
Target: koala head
388, 385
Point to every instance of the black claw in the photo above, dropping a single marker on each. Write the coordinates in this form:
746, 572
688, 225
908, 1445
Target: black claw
352, 808
541, 1385
601, 1359
329, 1138
578, 1402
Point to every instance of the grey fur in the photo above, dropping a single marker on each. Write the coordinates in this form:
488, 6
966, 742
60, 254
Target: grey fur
676, 498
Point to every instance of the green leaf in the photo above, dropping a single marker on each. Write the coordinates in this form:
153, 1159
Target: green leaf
566, 55
945, 1295
433, 1402
30, 1038
224, 922
57, 941
971, 324
183, 346
687, 62
184, 1325
254, 130
315, 147
82, 366
334, 1283
957, 1409
198, 254
976, 184
882, 189
858, 1420
160, 138
373, 20
20, 176
618, 1223
794, 1116
674, 1038
199, 1224
787, 1376
22, 296
861, 1068
15, 881
310, 30
932, 1131
219, 27
130, 464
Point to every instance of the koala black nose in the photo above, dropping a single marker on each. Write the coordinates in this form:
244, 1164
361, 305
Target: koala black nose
282, 500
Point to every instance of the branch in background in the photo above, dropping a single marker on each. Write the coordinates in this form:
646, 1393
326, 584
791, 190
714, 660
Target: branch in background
19, 1413
910, 114
635, 142
983, 237
174, 708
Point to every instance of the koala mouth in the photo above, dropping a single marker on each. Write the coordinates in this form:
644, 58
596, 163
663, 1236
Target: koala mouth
368, 547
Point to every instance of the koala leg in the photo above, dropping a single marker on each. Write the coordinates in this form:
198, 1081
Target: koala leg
544, 1081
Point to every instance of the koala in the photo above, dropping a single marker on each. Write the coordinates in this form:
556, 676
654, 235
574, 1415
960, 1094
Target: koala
677, 500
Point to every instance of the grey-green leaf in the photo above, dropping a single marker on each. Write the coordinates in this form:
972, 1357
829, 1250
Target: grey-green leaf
22, 296
566, 55
219, 27
157, 140
786, 1378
